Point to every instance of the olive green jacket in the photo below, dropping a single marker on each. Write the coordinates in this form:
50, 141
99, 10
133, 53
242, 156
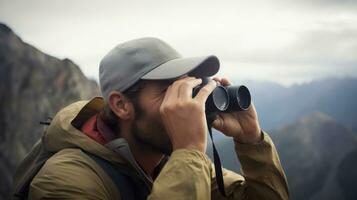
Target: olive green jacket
188, 174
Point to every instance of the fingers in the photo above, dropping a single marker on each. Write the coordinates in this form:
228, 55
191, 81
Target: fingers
181, 88
223, 81
186, 88
217, 79
206, 91
173, 90
218, 122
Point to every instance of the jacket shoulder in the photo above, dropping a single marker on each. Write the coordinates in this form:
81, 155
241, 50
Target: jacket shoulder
71, 174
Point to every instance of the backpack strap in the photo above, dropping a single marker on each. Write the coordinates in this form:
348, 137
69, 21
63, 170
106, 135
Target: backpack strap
28, 169
128, 186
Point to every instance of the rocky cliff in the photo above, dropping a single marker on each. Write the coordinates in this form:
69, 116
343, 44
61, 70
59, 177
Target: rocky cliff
33, 86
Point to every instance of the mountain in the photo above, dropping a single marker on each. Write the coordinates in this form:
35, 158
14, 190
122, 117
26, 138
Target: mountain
277, 105
347, 175
33, 86
318, 155
311, 151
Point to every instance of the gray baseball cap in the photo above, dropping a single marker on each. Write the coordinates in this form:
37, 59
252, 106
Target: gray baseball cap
149, 59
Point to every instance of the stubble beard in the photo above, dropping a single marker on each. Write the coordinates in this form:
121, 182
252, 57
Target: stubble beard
149, 133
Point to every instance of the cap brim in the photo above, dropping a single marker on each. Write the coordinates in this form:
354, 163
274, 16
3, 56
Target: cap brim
194, 66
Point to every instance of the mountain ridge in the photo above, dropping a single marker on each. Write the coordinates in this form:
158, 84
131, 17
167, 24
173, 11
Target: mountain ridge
33, 86
278, 105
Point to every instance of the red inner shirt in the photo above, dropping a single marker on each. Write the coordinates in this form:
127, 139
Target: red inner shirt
96, 129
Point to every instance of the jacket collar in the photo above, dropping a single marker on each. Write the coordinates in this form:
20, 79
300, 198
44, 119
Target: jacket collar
118, 145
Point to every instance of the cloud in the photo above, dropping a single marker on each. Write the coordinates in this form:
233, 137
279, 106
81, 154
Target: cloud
325, 47
322, 47
280, 35
328, 5
329, 44
329, 2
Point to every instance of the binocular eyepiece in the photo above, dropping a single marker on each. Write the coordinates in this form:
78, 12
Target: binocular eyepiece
225, 99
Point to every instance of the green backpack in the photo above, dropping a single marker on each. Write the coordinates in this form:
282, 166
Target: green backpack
128, 186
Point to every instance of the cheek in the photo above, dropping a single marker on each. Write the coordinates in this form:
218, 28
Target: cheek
152, 108
155, 110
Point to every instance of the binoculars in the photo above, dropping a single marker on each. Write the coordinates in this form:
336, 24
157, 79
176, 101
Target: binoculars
225, 99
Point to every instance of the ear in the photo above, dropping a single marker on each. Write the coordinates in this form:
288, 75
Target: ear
120, 105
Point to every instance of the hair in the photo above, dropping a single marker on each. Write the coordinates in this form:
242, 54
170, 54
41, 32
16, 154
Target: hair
110, 118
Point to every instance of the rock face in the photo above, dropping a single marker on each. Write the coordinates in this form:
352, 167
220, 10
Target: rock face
33, 86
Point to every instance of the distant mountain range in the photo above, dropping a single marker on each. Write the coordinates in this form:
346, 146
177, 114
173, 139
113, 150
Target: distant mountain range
277, 105
317, 154
33, 86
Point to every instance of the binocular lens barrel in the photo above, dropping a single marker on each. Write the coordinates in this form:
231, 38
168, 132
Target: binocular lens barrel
239, 98
225, 99
218, 100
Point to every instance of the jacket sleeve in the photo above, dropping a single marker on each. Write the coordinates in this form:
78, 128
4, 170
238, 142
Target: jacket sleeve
189, 174
68, 175
262, 174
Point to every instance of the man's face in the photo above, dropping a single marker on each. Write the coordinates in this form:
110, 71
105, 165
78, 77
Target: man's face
147, 127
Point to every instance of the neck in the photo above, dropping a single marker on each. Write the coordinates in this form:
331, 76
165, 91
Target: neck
146, 158
148, 161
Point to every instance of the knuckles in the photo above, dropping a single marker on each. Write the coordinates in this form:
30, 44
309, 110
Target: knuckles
205, 90
185, 85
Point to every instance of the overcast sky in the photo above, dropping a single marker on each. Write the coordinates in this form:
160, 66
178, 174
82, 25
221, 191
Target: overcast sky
278, 40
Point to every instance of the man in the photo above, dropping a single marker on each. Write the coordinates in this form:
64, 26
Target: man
149, 122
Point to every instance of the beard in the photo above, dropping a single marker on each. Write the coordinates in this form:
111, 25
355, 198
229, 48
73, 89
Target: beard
150, 133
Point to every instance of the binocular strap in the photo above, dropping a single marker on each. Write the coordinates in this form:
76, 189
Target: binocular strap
217, 163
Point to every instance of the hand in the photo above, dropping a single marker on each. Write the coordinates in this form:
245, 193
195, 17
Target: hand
184, 117
243, 126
